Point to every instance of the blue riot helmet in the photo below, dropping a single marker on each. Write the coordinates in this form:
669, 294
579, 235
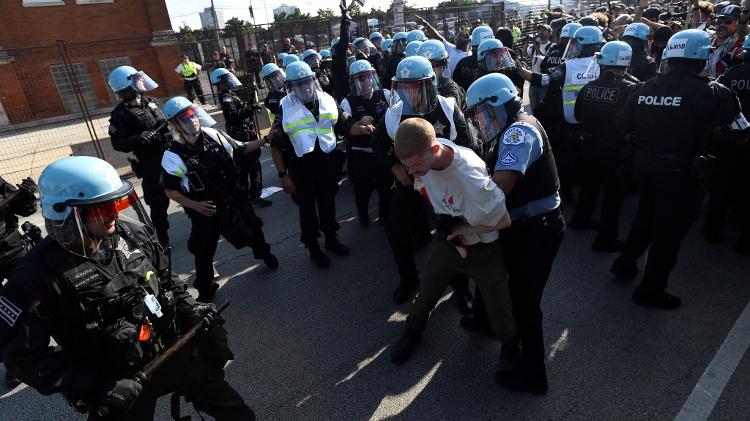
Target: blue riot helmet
363, 79
486, 104
568, 31
690, 44
224, 79
414, 86
124, 77
325, 55
412, 48
746, 44
364, 46
386, 46
186, 119
615, 54
334, 42
376, 38
312, 58
479, 34
274, 77
434, 51
289, 59
399, 44
585, 42
280, 58
492, 56
82, 199
415, 35
637, 35
301, 82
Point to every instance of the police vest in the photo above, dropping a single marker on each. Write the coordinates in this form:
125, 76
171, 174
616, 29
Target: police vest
393, 117
189, 70
174, 164
540, 179
576, 78
359, 107
304, 129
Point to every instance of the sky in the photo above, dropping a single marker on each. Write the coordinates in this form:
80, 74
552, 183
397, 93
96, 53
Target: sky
186, 11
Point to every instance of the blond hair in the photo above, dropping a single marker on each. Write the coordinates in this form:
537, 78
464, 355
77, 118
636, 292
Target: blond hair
413, 137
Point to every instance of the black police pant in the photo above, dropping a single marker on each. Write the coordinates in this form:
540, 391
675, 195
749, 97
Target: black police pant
202, 383
204, 238
193, 88
529, 248
367, 175
251, 174
315, 177
158, 202
600, 172
730, 188
669, 196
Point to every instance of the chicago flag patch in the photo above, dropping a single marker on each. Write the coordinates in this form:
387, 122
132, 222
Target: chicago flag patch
9, 312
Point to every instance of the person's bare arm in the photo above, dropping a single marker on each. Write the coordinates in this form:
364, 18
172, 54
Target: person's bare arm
464, 229
430, 31
278, 161
506, 180
639, 10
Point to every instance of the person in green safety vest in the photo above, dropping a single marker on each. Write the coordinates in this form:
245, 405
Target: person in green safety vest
190, 71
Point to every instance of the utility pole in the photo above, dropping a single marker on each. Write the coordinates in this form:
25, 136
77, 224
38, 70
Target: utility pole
216, 21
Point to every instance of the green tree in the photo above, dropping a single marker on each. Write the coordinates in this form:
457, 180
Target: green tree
186, 33
235, 27
326, 13
459, 3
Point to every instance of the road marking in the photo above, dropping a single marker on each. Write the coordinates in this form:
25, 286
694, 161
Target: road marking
393, 405
701, 402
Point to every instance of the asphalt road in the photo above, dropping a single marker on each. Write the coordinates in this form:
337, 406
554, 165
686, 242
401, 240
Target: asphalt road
314, 344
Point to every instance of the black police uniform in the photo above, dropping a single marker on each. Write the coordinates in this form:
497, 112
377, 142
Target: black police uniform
240, 125
365, 172
127, 125
272, 102
450, 89
387, 69
466, 70
554, 57
212, 175
602, 154
95, 310
672, 116
339, 67
12, 244
315, 176
642, 66
408, 218
728, 186
326, 81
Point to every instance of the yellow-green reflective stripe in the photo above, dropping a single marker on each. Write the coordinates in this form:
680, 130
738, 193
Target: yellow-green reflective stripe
573, 88
180, 171
328, 115
316, 131
572, 101
297, 123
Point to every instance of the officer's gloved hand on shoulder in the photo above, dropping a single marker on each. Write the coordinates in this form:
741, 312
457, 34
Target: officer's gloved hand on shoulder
121, 395
147, 137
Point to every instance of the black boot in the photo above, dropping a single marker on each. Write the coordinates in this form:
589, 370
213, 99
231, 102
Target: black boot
623, 269
333, 244
403, 348
405, 290
205, 295
318, 257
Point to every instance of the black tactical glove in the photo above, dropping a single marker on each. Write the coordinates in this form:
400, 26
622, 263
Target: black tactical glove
148, 137
207, 310
28, 186
121, 395
444, 225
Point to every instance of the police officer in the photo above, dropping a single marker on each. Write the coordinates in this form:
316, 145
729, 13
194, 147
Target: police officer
100, 284
435, 51
728, 187
385, 50
388, 67
377, 39
274, 79
366, 103
554, 56
190, 71
364, 49
603, 147
239, 117
415, 94
524, 168
642, 66
564, 83
137, 125
467, 70
412, 48
314, 60
200, 174
494, 57
289, 59
305, 155
671, 115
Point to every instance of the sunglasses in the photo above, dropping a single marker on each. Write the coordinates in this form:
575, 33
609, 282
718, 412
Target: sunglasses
105, 210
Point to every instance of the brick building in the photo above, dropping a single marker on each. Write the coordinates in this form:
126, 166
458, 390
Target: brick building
45, 42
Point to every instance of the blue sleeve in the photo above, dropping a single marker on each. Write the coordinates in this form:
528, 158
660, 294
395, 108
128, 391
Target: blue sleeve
518, 148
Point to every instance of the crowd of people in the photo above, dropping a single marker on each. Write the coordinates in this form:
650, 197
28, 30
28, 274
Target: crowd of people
643, 100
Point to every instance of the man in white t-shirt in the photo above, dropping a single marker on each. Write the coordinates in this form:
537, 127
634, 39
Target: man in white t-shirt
537, 50
470, 210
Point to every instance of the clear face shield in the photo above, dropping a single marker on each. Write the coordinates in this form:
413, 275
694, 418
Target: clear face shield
141, 82
398, 46
229, 81
305, 89
489, 120
275, 82
365, 83
418, 97
442, 70
497, 60
90, 229
365, 47
313, 60
189, 122
572, 50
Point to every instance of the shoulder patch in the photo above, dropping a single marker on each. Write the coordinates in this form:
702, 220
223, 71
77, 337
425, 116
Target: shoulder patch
508, 159
514, 136
9, 312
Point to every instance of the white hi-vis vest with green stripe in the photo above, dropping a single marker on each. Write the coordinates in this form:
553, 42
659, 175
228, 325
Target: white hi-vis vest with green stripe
173, 163
576, 78
302, 127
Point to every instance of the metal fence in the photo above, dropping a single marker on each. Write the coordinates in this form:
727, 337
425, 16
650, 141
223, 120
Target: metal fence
56, 102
